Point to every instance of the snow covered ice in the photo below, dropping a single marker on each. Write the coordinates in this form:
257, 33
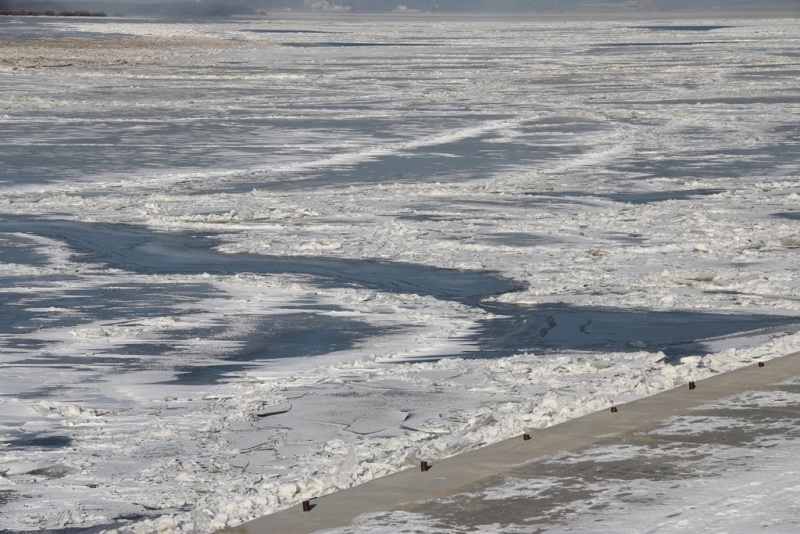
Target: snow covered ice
242, 267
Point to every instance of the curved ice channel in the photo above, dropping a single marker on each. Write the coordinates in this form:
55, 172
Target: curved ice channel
509, 329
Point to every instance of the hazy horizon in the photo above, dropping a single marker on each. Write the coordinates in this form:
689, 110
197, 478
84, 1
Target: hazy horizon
232, 7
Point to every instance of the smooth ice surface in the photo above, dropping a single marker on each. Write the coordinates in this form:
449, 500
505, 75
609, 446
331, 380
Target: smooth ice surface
248, 262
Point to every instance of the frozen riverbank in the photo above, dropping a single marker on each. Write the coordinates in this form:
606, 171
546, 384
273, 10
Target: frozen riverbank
716, 456
233, 269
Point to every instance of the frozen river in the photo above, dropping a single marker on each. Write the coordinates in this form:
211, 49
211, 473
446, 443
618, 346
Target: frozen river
249, 262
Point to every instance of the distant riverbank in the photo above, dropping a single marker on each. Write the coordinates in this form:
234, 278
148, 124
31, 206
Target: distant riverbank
49, 13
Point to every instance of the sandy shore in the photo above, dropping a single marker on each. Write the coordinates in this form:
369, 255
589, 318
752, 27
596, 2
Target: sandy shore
107, 52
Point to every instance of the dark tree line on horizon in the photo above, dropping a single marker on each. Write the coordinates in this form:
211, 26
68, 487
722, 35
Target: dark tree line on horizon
44, 9
208, 8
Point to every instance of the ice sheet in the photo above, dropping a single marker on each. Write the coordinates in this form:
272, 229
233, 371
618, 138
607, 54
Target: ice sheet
236, 274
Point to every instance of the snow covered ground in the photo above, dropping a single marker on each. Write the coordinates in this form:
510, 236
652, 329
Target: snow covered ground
234, 254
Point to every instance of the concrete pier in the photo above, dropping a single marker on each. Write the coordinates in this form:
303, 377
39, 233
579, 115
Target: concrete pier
466, 474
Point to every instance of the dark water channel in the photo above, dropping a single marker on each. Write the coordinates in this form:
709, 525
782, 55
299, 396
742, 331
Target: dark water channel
539, 329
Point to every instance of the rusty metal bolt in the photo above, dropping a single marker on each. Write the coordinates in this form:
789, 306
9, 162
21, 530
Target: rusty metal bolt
423, 466
306, 506
761, 364
692, 385
614, 409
